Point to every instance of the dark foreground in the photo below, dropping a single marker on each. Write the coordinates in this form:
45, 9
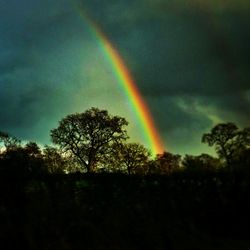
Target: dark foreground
185, 211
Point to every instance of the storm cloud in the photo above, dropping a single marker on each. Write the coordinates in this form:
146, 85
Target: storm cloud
190, 60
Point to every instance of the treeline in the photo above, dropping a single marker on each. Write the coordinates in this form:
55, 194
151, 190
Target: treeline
96, 142
162, 202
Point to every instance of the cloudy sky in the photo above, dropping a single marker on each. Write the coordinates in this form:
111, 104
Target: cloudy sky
190, 60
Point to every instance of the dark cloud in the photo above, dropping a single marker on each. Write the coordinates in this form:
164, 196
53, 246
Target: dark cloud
190, 61
181, 52
30, 31
193, 58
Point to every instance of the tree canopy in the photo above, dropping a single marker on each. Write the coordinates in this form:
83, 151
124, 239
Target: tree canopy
128, 157
165, 163
89, 135
201, 162
9, 141
95, 141
229, 140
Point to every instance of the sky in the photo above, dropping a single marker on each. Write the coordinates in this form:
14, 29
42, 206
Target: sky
189, 59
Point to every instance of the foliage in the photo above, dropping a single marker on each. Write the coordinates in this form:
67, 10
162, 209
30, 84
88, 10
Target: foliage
132, 158
53, 159
228, 140
201, 162
152, 206
94, 141
22, 161
89, 135
165, 163
242, 161
9, 141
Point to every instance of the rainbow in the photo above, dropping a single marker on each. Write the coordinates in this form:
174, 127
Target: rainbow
129, 86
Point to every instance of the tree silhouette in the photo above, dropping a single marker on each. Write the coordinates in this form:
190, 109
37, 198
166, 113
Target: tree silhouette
89, 135
128, 157
165, 163
200, 162
53, 160
35, 162
228, 140
9, 141
32, 149
22, 161
242, 160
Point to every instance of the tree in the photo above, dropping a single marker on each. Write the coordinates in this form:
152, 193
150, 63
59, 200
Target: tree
242, 160
58, 163
128, 157
165, 163
89, 135
53, 160
34, 158
200, 162
22, 161
32, 149
228, 140
9, 141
